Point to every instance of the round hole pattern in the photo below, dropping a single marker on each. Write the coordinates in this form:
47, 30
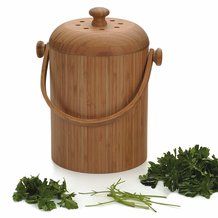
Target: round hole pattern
116, 24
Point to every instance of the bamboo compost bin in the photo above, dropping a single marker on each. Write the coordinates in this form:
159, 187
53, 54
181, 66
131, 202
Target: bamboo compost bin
99, 72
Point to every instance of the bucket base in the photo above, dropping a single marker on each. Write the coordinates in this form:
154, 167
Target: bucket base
99, 172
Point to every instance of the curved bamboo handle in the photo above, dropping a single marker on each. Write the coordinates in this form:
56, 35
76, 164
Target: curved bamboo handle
95, 121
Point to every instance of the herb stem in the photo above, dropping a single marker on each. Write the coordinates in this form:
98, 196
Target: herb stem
93, 192
100, 203
174, 205
127, 198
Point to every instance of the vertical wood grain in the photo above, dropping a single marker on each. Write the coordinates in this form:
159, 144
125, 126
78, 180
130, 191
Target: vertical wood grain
92, 87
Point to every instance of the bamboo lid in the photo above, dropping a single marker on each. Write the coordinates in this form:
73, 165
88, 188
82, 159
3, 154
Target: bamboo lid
98, 36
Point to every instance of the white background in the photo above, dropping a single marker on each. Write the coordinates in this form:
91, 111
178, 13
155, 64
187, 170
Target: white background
183, 98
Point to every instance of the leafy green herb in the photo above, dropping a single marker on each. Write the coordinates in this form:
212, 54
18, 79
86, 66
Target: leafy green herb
127, 198
192, 172
35, 191
67, 202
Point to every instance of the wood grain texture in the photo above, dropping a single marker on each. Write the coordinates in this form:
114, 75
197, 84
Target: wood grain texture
98, 92
92, 87
80, 37
101, 120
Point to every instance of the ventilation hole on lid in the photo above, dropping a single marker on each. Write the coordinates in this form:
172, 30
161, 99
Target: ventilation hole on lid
120, 23
85, 28
81, 21
112, 20
78, 24
116, 27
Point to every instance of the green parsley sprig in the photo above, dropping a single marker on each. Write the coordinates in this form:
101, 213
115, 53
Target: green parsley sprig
43, 193
192, 172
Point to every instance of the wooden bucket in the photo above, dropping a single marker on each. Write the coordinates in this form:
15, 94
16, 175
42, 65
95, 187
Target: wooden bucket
99, 72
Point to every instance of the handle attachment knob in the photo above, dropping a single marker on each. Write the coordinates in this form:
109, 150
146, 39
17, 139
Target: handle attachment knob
40, 49
157, 58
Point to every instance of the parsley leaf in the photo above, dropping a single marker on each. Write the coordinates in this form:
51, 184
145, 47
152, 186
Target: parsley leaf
192, 172
68, 202
43, 193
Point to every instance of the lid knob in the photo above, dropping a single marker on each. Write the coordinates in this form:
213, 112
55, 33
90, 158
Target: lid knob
99, 15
